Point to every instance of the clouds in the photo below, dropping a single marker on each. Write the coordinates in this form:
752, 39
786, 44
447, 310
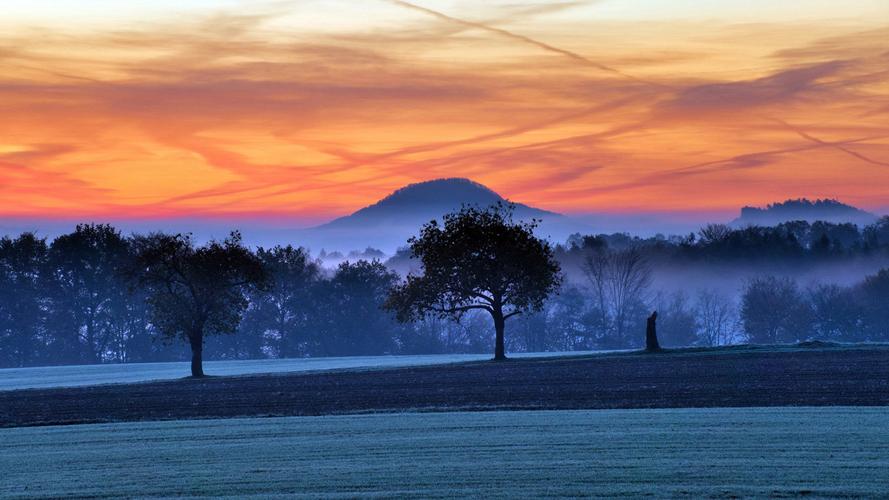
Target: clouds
269, 111
781, 87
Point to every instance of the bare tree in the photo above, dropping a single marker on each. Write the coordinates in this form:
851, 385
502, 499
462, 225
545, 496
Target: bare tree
714, 233
716, 318
620, 282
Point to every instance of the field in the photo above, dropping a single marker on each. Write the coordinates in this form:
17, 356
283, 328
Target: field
684, 379
694, 453
76, 376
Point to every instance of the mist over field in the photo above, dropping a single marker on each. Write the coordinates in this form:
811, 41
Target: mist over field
715, 285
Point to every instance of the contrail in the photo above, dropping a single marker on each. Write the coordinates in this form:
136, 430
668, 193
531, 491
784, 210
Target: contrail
524, 39
714, 165
835, 145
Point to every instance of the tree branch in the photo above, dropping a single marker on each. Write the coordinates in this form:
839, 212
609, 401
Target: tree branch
452, 310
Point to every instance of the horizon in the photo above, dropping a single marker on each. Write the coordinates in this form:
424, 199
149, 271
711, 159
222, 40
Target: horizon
269, 231
284, 112
320, 237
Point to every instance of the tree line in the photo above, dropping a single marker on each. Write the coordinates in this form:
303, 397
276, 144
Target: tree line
97, 296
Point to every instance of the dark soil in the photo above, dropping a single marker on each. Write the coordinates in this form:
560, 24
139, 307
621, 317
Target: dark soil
817, 377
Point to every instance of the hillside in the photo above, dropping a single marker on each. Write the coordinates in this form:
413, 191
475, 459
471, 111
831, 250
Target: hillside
828, 210
418, 203
388, 223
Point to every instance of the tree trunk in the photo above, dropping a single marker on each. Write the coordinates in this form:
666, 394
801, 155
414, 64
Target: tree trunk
499, 326
197, 349
651, 343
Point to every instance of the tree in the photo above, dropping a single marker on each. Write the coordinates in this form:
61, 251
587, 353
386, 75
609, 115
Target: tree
350, 319
836, 312
478, 259
566, 327
716, 317
282, 310
22, 262
874, 297
876, 235
87, 290
713, 234
196, 291
619, 281
774, 310
677, 324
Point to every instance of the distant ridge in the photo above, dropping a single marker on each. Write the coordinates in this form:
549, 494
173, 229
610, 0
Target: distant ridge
418, 203
828, 210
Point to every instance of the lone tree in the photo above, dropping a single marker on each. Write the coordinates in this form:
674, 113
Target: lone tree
478, 259
196, 291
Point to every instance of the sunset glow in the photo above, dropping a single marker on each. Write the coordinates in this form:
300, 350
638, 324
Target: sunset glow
310, 109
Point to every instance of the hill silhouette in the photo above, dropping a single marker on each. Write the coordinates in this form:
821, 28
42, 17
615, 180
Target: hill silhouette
388, 223
829, 210
416, 204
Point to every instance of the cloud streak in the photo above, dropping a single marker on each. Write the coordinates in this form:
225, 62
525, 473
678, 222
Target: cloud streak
574, 56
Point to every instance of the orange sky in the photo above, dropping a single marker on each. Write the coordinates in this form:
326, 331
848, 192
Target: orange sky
314, 109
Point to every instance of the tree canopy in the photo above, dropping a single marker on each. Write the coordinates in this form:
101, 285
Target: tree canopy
195, 291
478, 259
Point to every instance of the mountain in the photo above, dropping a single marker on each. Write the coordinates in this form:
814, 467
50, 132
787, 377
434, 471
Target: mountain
388, 223
827, 210
416, 204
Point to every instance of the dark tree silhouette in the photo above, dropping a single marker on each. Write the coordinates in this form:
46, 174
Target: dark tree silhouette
774, 310
282, 309
348, 311
478, 260
677, 322
195, 291
87, 288
619, 281
22, 303
874, 297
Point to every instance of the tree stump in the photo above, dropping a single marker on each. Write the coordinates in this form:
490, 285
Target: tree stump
651, 343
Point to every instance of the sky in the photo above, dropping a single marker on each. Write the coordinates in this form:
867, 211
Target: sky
307, 110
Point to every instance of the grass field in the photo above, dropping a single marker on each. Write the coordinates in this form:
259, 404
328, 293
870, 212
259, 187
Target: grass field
82, 375
779, 452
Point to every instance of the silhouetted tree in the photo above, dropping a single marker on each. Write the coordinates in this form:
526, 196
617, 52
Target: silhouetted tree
282, 310
712, 234
530, 332
619, 281
876, 235
478, 260
87, 290
836, 313
874, 296
567, 321
716, 318
22, 300
774, 310
677, 324
350, 319
196, 291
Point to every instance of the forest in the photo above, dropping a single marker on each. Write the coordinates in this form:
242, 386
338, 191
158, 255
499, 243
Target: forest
74, 300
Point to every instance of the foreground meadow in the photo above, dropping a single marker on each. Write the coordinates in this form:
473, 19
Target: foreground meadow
122, 373
785, 452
